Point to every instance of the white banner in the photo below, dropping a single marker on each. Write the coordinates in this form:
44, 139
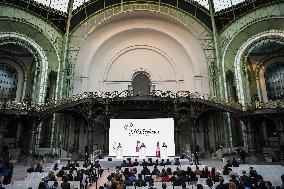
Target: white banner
131, 133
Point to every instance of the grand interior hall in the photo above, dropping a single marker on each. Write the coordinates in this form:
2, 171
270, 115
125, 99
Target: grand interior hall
120, 94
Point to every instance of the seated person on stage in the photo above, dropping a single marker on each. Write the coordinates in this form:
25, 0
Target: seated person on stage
127, 182
168, 162
155, 170
177, 162
165, 178
140, 182
135, 163
164, 145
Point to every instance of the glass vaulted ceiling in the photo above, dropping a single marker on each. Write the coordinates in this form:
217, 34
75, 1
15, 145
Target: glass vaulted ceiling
63, 4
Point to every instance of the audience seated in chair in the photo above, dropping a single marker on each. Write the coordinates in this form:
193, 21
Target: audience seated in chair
140, 182
135, 163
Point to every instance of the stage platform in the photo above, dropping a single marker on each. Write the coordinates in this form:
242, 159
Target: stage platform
171, 158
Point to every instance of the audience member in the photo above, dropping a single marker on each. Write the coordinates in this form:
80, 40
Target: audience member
65, 184
135, 163
140, 182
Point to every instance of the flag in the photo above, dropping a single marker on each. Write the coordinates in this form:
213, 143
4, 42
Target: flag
137, 146
158, 150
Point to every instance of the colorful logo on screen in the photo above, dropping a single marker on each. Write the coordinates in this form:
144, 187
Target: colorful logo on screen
129, 128
145, 132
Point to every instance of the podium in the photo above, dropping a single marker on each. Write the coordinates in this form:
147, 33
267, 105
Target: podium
164, 153
142, 153
119, 153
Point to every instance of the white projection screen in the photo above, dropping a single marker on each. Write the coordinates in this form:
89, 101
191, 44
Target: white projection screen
130, 132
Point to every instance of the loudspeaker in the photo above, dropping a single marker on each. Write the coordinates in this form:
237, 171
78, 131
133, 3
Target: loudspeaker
149, 159
128, 159
109, 159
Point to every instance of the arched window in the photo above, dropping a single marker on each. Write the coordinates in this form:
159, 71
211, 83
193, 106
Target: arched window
141, 84
8, 82
274, 81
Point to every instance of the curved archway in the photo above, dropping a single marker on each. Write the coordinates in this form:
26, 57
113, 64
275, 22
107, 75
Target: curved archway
8, 82
40, 58
124, 44
141, 84
240, 54
266, 137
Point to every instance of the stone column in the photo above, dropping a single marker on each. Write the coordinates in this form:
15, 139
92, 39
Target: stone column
75, 154
19, 130
280, 129
250, 137
34, 133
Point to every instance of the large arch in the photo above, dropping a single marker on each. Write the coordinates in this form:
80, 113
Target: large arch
157, 40
240, 43
39, 54
240, 54
21, 72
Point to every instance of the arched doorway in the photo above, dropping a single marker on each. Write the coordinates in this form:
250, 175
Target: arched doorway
141, 84
8, 82
266, 138
274, 80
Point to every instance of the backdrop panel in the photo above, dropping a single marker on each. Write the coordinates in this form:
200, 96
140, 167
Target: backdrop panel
133, 132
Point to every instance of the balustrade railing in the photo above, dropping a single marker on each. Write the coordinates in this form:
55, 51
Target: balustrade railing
206, 98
